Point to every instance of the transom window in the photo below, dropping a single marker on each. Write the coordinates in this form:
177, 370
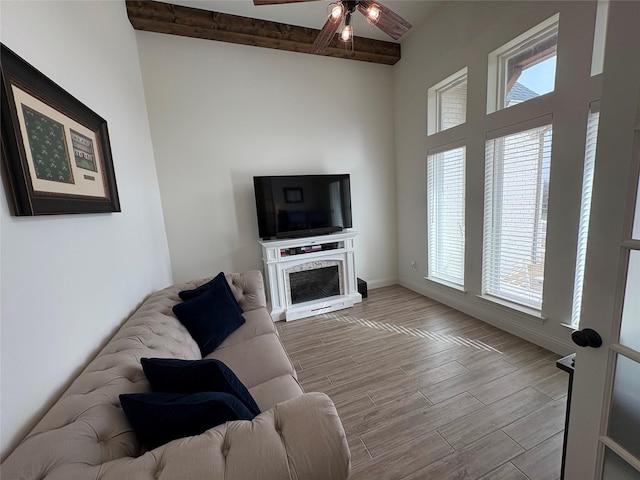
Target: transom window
524, 68
447, 103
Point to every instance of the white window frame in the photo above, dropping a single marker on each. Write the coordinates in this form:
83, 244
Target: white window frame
496, 79
434, 108
434, 229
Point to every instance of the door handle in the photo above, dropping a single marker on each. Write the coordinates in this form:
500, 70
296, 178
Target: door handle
586, 337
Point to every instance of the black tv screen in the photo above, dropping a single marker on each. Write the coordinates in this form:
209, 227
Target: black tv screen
292, 206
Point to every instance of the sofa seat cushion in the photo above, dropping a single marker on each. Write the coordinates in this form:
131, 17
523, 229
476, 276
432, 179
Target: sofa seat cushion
274, 391
256, 360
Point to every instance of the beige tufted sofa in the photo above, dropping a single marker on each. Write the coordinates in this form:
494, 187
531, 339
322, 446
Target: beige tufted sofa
85, 435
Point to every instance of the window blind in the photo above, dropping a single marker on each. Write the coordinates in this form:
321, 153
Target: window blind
445, 215
585, 213
517, 168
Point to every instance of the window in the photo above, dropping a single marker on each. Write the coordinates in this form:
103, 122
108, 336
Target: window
524, 68
445, 216
517, 168
599, 36
585, 212
447, 102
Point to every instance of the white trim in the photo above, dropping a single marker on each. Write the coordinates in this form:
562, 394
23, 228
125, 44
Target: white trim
493, 85
520, 127
631, 244
444, 283
626, 351
620, 451
381, 282
433, 106
599, 37
527, 312
530, 37
445, 147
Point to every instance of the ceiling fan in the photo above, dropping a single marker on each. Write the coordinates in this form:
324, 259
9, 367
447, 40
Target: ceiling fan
340, 13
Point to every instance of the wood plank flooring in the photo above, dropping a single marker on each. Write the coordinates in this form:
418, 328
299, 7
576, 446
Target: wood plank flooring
427, 392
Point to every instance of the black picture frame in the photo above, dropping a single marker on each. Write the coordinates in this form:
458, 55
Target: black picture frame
64, 165
293, 195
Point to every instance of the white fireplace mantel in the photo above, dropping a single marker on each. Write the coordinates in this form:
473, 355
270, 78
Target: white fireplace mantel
282, 257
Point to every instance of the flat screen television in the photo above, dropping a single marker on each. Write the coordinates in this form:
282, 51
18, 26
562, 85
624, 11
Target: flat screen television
291, 206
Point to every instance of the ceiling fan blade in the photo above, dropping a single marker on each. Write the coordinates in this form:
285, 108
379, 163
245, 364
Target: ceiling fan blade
389, 21
326, 34
276, 2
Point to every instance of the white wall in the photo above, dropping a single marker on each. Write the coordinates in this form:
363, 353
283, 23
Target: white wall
221, 113
69, 281
462, 34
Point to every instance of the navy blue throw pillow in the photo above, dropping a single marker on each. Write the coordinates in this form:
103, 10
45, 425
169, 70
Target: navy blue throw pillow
210, 317
192, 376
158, 418
219, 282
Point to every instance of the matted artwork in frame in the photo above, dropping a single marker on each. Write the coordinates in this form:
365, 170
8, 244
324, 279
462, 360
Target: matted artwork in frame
55, 150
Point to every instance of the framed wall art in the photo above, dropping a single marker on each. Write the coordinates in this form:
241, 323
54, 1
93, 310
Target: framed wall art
55, 150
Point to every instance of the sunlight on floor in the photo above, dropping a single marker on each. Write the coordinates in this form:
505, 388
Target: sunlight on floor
413, 332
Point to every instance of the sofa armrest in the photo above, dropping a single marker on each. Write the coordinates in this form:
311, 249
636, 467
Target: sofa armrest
301, 438
248, 288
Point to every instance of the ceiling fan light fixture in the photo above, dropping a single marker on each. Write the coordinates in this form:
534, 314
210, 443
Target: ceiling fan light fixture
336, 10
373, 14
346, 34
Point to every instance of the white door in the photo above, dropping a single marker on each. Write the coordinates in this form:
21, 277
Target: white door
604, 428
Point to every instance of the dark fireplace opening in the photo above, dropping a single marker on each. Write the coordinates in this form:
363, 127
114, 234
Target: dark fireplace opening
314, 284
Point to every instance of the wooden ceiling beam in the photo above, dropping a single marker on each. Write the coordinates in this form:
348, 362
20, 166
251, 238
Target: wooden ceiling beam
159, 17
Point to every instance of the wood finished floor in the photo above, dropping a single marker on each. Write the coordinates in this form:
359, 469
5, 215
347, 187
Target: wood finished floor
427, 392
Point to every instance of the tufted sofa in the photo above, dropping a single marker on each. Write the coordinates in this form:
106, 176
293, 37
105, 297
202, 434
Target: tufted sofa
85, 434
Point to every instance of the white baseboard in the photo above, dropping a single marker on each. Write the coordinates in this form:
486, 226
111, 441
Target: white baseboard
493, 316
381, 282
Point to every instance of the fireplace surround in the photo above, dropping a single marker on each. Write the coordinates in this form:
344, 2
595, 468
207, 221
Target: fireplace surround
309, 276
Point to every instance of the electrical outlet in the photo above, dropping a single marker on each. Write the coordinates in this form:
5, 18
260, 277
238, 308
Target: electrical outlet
414, 265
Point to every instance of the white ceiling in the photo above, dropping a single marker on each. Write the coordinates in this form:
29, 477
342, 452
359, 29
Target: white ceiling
313, 14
